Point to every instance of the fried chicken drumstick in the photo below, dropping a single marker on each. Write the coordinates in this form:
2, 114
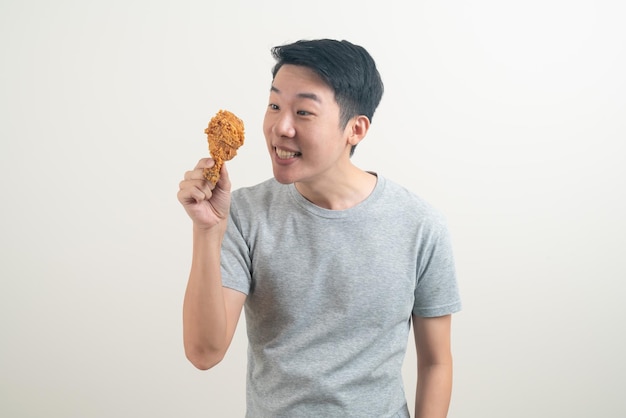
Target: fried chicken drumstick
225, 135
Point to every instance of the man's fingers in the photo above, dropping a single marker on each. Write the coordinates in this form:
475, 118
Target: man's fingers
190, 194
195, 174
205, 163
194, 187
195, 180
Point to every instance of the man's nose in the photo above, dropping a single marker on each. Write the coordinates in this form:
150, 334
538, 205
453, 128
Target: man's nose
284, 126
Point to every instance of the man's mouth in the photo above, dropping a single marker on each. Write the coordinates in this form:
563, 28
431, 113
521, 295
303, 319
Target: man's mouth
284, 154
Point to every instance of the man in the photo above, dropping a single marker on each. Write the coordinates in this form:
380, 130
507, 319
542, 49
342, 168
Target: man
332, 263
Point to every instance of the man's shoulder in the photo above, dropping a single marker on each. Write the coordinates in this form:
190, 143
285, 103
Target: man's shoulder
405, 200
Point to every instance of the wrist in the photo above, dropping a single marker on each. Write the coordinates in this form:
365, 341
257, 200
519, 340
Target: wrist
209, 232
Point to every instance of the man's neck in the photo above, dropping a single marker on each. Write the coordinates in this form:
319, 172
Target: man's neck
341, 193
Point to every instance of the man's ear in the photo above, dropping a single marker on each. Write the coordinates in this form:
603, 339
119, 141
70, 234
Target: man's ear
359, 126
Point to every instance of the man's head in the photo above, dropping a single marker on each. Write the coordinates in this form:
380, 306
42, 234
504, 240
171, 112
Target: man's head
348, 69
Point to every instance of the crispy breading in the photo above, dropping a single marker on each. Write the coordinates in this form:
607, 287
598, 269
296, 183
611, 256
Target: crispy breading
225, 135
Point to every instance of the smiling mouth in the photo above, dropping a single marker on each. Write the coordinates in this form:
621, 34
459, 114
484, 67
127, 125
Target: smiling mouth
284, 155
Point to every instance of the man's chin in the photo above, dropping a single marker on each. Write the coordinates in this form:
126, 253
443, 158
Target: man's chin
283, 180
283, 176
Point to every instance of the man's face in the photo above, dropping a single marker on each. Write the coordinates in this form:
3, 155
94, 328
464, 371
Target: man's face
302, 127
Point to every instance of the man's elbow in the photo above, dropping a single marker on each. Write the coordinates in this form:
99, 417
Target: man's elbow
204, 359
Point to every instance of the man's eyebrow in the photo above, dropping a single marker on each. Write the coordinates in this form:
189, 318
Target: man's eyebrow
311, 96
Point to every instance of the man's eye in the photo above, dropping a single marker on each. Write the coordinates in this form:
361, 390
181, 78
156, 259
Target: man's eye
303, 113
273, 106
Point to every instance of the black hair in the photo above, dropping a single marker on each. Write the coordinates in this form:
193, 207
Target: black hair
348, 69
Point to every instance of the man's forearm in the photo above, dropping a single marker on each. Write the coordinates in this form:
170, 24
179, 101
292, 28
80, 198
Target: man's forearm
434, 389
204, 312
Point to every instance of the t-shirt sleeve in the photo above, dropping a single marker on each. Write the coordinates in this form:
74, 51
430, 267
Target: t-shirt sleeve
436, 290
235, 262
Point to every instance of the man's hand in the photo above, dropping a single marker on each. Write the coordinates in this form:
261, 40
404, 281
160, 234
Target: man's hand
206, 205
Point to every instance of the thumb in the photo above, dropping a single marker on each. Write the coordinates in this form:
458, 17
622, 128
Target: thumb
224, 181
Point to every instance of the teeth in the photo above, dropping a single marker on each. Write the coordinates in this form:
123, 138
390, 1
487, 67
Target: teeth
285, 154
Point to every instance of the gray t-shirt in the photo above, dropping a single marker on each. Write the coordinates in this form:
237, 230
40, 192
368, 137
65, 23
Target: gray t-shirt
331, 294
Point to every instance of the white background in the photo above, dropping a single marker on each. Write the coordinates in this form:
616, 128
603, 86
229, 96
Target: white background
509, 116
